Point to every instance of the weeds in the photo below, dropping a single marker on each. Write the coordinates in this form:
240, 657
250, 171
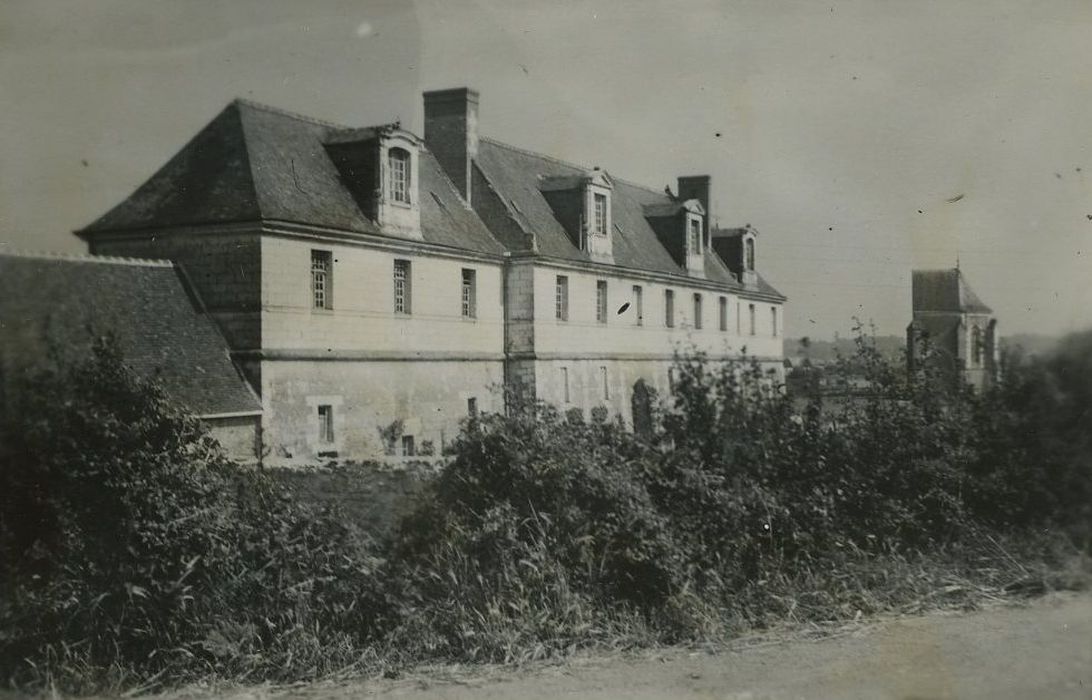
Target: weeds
134, 554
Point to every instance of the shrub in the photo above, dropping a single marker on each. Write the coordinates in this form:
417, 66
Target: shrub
130, 545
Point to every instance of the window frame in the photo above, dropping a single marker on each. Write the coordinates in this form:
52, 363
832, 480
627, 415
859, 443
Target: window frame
639, 305
322, 279
468, 293
402, 288
601, 302
669, 308
599, 213
694, 234
561, 298
698, 311
751, 318
773, 320
722, 313
399, 175
325, 413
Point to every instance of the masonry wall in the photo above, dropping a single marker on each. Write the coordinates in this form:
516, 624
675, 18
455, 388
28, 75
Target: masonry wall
362, 317
371, 401
223, 266
239, 435
620, 336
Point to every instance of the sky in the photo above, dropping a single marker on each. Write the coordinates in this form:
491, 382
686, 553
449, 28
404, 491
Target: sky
861, 139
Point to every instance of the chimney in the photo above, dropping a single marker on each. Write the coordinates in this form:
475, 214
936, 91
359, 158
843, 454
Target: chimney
697, 187
451, 133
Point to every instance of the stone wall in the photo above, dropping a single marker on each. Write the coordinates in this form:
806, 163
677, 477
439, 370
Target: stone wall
370, 495
362, 317
375, 404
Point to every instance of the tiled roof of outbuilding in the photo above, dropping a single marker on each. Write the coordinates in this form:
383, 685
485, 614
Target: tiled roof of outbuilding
66, 301
253, 162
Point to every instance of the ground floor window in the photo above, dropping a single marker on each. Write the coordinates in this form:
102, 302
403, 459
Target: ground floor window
326, 423
408, 447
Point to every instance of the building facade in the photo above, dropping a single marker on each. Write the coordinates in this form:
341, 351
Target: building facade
377, 288
953, 324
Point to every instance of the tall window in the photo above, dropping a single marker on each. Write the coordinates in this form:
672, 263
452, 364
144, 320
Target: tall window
409, 449
605, 377
565, 383
402, 287
669, 308
469, 294
472, 407
561, 298
749, 254
976, 346
600, 223
751, 311
773, 319
697, 312
321, 279
326, 423
739, 323
601, 301
695, 236
639, 304
398, 160
722, 312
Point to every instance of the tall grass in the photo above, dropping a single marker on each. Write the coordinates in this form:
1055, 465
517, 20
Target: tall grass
132, 553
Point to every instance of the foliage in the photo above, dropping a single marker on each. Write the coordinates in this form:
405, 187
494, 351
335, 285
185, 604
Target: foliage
131, 549
130, 545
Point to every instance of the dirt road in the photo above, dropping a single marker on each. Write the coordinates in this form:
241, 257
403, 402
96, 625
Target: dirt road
1041, 650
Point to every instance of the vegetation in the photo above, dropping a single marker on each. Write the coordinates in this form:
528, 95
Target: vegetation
133, 552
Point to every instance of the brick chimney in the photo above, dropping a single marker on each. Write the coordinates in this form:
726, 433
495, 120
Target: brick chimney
451, 133
697, 187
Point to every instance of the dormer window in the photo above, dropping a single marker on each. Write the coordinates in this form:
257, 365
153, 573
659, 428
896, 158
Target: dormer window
749, 254
398, 167
694, 232
599, 226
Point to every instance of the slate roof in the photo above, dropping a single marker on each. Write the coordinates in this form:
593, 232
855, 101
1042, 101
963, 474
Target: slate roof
64, 300
257, 163
254, 162
945, 290
517, 175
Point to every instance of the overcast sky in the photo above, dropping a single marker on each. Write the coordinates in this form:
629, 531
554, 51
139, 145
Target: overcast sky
839, 130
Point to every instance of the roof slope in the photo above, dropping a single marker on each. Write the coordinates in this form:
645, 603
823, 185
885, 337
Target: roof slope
516, 176
945, 290
67, 301
253, 162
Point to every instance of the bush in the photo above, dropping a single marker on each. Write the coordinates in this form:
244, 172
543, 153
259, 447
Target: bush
130, 546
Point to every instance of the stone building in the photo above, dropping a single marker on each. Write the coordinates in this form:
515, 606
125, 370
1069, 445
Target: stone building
375, 288
952, 322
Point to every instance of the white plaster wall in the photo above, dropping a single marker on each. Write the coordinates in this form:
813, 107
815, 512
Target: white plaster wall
362, 317
581, 334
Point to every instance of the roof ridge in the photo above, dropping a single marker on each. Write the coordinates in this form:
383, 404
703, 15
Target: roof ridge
569, 164
289, 113
86, 257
